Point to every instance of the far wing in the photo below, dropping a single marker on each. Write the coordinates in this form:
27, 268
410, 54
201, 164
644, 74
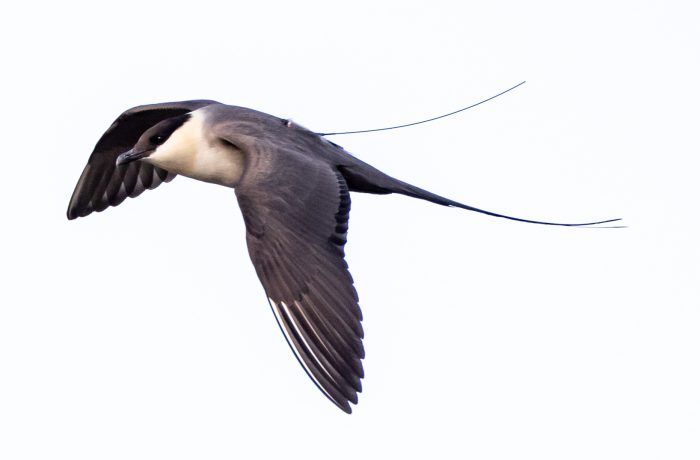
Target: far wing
103, 183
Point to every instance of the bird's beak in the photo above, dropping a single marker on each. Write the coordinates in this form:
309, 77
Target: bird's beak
131, 155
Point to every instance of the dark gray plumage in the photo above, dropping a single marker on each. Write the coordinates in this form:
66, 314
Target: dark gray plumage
293, 189
103, 183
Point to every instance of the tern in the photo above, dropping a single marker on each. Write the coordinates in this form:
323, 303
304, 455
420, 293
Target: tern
293, 188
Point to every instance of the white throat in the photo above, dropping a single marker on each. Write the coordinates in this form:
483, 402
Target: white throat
191, 151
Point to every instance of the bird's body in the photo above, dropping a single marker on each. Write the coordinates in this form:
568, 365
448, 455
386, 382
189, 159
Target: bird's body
293, 189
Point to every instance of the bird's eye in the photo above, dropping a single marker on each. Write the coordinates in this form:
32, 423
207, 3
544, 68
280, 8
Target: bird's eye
157, 139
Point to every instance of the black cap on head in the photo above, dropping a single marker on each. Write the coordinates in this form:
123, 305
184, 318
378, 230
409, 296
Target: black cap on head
153, 137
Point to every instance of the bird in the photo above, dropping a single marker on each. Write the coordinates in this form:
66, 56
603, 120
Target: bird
293, 188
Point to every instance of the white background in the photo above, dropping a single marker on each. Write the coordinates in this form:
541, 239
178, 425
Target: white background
143, 333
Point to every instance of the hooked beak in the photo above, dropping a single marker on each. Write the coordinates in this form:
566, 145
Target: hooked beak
131, 155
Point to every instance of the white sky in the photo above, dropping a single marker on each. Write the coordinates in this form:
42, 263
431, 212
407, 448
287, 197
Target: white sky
143, 333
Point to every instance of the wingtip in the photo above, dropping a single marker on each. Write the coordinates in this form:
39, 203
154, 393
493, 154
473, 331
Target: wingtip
74, 211
347, 408
346, 405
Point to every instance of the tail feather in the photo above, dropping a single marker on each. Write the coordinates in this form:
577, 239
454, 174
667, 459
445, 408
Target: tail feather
365, 178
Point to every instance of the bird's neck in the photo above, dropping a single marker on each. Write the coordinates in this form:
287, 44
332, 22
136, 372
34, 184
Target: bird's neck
191, 152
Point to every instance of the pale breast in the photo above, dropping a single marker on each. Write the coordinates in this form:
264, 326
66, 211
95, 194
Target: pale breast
218, 162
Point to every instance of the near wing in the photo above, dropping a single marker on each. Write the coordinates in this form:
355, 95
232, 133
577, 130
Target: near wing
296, 215
103, 183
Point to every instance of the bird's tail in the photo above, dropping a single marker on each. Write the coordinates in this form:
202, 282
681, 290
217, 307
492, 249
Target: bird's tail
362, 177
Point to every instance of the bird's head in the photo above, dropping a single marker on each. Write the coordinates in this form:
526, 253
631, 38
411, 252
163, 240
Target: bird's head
184, 145
170, 140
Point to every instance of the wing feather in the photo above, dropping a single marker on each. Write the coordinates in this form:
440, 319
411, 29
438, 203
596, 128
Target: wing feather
296, 216
103, 183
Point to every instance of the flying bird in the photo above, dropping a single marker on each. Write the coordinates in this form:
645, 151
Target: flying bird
293, 188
